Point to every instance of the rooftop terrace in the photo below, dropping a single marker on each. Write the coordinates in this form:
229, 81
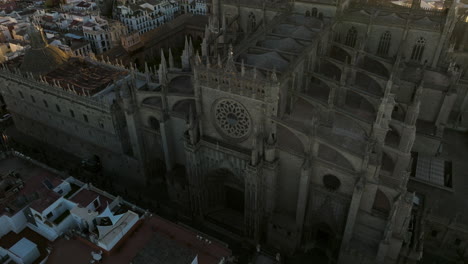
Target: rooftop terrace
171, 239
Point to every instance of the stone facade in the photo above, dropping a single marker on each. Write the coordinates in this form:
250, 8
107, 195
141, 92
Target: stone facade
297, 136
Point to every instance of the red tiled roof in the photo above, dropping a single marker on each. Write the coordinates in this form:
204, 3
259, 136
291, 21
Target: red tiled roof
84, 197
47, 198
33, 186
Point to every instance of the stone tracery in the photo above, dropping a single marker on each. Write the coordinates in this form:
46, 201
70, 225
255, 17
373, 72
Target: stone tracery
232, 118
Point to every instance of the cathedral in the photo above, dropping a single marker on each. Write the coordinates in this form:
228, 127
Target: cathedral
293, 123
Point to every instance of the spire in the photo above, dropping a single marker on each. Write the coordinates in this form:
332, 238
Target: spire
163, 59
190, 47
186, 43
230, 65
185, 58
171, 59
273, 75
271, 139
147, 73
197, 58
204, 47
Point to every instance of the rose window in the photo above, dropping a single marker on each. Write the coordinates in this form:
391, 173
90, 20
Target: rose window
232, 118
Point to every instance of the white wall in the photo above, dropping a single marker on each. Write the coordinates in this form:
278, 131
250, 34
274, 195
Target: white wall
18, 221
5, 226
66, 224
46, 232
117, 237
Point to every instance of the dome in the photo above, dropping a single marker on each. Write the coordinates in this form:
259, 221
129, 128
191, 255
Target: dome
41, 58
44, 60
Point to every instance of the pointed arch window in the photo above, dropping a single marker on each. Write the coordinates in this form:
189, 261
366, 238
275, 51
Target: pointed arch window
351, 37
307, 14
418, 49
384, 44
314, 12
252, 21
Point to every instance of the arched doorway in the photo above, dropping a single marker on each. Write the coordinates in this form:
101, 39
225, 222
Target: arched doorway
225, 200
322, 241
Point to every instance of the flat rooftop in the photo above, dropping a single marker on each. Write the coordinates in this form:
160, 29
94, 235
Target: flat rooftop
84, 76
84, 197
136, 246
10, 239
34, 190
163, 250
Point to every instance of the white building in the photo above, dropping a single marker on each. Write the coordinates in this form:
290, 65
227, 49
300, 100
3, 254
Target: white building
144, 16
197, 7
103, 34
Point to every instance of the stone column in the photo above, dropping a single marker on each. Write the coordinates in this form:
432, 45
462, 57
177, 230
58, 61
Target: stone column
253, 206
408, 135
351, 219
446, 108
166, 141
304, 182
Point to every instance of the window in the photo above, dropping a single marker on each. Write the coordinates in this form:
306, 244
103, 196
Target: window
434, 233
21, 94
58, 107
331, 182
307, 14
85, 117
384, 44
33, 99
49, 215
418, 49
314, 12
72, 113
351, 37
101, 124
457, 242
45, 103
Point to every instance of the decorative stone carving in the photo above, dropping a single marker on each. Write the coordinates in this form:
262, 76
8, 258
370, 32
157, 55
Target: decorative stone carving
232, 119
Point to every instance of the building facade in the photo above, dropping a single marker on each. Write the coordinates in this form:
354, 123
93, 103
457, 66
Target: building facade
292, 125
144, 16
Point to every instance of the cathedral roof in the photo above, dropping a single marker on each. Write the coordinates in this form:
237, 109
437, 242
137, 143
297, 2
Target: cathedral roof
286, 44
41, 58
268, 60
294, 31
